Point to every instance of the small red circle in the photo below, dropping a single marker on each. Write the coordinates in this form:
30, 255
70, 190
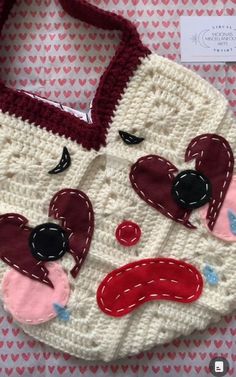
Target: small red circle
128, 233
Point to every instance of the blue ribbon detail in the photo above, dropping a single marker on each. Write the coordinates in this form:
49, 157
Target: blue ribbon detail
232, 221
61, 312
211, 275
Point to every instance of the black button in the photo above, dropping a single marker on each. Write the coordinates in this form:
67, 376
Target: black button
48, 242
191, 189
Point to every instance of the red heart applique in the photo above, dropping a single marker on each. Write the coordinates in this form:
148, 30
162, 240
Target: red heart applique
215, 159
14, 248
75, 211
152, 178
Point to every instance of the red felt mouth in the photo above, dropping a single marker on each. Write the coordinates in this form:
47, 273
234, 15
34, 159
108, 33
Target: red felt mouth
130, 286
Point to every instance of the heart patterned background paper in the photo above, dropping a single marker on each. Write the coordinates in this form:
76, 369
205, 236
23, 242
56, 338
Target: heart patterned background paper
46, 52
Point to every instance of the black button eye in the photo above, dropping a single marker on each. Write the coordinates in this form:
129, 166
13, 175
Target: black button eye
48, 242
130, 139
63, 164
191, 189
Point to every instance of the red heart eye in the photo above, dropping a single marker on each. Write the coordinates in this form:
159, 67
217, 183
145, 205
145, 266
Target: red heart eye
154, 180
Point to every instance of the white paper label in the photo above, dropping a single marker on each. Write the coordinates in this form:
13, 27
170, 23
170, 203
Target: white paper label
208, 39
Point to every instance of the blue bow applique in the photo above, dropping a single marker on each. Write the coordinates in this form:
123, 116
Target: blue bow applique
62, 313
211, 275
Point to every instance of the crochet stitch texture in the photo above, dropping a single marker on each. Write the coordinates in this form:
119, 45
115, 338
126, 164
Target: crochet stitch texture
147, 96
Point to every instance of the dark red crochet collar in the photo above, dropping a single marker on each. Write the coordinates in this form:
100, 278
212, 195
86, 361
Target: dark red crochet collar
109, 91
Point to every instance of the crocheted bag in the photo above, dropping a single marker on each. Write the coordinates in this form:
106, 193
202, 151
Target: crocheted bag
118, 235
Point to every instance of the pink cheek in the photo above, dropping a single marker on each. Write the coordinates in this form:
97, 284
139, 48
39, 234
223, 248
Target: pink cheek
128, 233
222, 228
31, 302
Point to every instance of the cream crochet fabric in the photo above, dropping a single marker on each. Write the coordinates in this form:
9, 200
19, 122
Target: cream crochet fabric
168, 105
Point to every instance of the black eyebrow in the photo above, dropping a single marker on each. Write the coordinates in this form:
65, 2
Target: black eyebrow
129, 138
64, 163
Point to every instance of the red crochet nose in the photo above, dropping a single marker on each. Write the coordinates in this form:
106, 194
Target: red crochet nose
128, 233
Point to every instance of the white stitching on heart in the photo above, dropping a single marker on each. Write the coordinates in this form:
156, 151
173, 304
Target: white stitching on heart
213, 212
10, 263
79, 260
158, 205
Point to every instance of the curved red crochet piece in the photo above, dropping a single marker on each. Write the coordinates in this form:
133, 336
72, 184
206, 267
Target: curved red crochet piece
215, 159
75, 210
130, 286
152, 178
15, 251
111, 86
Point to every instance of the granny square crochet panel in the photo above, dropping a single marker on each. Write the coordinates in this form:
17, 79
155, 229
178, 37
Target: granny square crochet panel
124, 239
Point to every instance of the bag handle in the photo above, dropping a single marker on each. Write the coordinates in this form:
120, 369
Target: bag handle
88, 13
99, 18
111, 86
5, 7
